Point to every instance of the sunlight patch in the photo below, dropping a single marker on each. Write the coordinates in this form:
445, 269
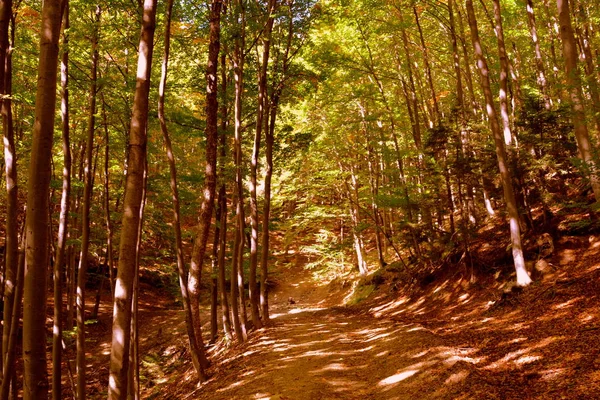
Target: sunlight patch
398, 377
301, 310
457, 377
527, 359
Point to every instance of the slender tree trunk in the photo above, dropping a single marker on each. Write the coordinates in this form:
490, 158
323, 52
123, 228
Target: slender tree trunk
64, 217
70, 286
583, 33
264, 260
222, 248
35, 384
10, 156
109, 224
260, 116
181, 270
210, 174
119, 357
504, 69
85, 217
576, 95
240, 332
436, 108
467, 61
539, 62
373, 185
238, 64
9, 373
133, 389
523, 278
240, 276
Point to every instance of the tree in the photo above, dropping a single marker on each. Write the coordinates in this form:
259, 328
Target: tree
181, 270
64, 215
35, 384
573, 79
119, 355
210, 170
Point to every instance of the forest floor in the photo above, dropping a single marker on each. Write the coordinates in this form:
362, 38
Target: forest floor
453, 338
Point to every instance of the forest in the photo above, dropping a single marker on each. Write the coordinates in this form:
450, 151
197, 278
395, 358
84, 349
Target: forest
300, 199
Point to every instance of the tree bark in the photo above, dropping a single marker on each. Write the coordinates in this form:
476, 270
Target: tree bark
238, 66
85, 214
10, 157
576, 95
109, 223
64, 216
210, 171
583, 34
260, 116
523, 278
181, 269
119, 357
35, 385
9, 372
504, 70
539, 62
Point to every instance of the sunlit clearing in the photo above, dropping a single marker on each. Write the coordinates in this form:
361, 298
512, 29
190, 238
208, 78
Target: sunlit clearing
398, 377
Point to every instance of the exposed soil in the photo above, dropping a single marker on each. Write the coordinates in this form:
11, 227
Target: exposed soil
452, 339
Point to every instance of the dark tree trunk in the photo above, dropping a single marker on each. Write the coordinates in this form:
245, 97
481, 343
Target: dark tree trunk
35, 385
210, 170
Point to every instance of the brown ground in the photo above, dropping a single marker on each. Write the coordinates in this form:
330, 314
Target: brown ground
452, 339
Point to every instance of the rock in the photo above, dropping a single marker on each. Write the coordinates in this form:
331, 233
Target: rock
542, 267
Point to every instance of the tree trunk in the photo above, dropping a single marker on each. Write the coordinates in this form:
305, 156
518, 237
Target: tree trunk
64, 216
539, 62
133, 387
109, 225
9, 372
181, 270
504, 69
238, 66
35, 385
12, 202
583, 33
523, 278
85, 216
222, 248
436, 108
119, 357
260, 117
576, 95
210, 174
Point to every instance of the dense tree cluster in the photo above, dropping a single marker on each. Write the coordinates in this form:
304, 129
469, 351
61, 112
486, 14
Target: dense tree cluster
401, 125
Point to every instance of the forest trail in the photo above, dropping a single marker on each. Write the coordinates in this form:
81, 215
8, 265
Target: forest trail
317, 350
446, 342
449, 341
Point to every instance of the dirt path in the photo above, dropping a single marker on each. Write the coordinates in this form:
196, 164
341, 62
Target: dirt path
313, 351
